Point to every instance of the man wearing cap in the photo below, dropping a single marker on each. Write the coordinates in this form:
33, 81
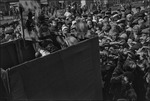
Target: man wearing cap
137, 13
141, 23
54, 26
67, 13
129, 19
135, 34
145, 36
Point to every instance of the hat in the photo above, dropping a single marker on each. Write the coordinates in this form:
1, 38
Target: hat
141, 14
136, 27
123, 36
135, 21
129, 15
99, 15
146, 31
62, 17
95, 12
115, 15
73, 27
74, 22
108, 12
121, 21
115, 12
100, 20
103, 11
84, 15
106, 28
131, 53
105, 17
122, 9
136, 46
138, 7
89, 15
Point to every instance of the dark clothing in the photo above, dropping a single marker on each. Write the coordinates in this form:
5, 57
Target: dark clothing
138, 84
50, 43
116, 81
29, 25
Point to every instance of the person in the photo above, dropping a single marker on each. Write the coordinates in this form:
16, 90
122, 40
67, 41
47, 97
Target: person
30, 22
67, 13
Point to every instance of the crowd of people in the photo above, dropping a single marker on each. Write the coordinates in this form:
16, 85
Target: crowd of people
124, 41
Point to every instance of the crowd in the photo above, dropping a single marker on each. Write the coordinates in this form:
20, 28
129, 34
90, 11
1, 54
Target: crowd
124, 41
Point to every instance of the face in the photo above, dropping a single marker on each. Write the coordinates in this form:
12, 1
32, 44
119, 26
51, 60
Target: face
54, 23
89, 23
106, 19
114, 37
132, 65
137, 10
45, 34
130, 41
73, 31
105, 23
111, 49
129, 18
143, 37
141, 21
65, 31
135, 31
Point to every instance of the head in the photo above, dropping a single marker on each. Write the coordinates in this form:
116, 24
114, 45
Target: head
138, 9
143, 37
44, 33
130, 65
65, 30
122, 26
129, 17
90, 23
141, 21
82, 28
73, 30
54, 23
106, 28
136, 29
106, 19
130, 41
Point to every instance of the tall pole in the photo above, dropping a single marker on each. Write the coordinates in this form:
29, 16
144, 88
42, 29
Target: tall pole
21, 18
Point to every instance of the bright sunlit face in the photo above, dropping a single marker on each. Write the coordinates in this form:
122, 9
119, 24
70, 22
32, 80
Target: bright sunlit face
54, 23
129, 17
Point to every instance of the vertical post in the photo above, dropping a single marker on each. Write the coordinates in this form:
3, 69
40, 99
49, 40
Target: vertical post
21, 17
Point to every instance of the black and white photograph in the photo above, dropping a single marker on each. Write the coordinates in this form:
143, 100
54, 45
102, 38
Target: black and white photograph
74, 50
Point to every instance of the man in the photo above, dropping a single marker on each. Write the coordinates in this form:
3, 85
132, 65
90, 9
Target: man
67, 13
135, 34
122, 77
137, 13
30, 22
68, 38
